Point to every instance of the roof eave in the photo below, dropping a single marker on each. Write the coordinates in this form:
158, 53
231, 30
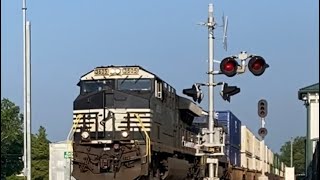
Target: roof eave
314, 88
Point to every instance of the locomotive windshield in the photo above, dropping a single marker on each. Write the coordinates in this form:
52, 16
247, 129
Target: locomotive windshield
123, 85
97, 85
134, 84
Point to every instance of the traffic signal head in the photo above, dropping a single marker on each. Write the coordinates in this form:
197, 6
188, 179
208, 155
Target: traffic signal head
194, 92
262, 108
257, 65
229, 66
228, 91
262, 132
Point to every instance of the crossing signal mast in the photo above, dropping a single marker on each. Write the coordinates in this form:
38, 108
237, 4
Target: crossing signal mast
214, 138
262, 113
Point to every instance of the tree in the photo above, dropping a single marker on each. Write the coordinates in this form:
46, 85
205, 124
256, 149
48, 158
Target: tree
298, 149
11, 139
40, 155
14, 177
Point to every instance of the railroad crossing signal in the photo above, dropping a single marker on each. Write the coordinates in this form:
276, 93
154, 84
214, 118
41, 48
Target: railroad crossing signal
228, 91
229, 66
262, 108
257, 65
194, 92
262, 132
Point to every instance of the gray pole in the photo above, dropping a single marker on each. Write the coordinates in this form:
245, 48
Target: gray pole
309, 149
264, 151
291, 156
211, 81
263, 155
28, 91
25, 170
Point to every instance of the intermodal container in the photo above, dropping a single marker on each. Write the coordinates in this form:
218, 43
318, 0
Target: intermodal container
270, 156
257, 144
247, 140
281, 174
258, 164
233, 154
246, 161
269, 168
282, 166
276, 171
232, 126
276, 161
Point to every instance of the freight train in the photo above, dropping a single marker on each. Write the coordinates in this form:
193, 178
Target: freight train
129, 124
243, 149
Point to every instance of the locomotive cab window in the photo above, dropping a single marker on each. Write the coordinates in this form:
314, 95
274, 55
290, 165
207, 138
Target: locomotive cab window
95, 86
134, 84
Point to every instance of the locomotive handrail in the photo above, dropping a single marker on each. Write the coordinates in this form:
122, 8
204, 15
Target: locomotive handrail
73, 129
148, 142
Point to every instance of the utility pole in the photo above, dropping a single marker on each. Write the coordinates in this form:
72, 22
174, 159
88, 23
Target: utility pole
26, 92
291, 156
28, 74
25, 166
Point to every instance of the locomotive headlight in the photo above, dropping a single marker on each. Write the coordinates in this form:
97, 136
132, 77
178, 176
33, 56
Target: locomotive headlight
117, 71
85, 135
112, 71
124, 134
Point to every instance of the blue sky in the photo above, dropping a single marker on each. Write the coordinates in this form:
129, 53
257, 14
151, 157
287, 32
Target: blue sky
70, 38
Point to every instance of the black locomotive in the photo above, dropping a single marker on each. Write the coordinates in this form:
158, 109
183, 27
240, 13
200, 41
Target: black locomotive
130, 124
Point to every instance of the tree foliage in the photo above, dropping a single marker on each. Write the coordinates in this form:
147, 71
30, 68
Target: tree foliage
12, 145
14, 177
40, 155
11, 139
298, 149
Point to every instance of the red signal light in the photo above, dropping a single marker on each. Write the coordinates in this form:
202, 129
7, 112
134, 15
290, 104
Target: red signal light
257, 65
229, 66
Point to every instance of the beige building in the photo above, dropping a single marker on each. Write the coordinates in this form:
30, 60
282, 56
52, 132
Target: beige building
310, 96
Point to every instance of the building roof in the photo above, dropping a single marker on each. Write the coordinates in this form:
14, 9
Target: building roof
314, 88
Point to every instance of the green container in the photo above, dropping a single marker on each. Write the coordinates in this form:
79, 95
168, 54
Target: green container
276, 161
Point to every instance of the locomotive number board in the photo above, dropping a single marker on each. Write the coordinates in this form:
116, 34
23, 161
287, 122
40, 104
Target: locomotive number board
116, 71
130, 71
